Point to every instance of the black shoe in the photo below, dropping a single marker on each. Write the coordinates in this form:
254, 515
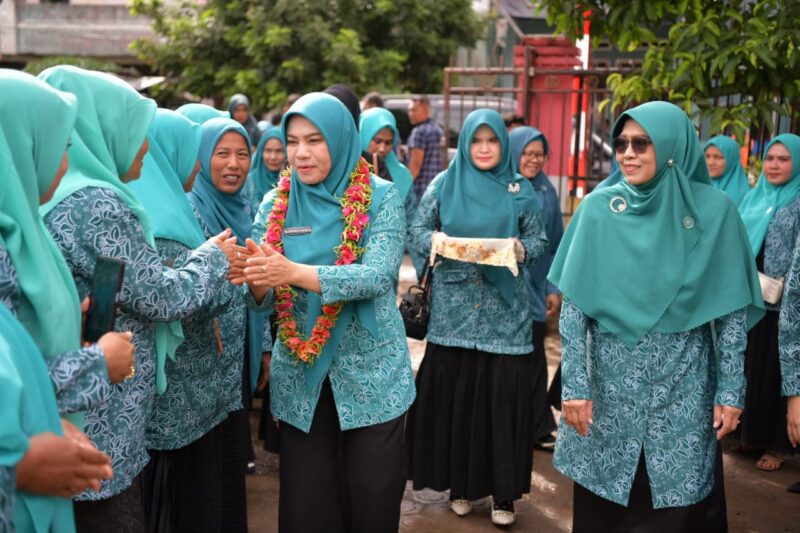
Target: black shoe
548, 443
794, 488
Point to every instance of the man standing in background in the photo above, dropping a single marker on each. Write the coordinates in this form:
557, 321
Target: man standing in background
424, 145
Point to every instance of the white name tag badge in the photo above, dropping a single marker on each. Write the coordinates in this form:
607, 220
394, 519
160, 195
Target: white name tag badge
302, 230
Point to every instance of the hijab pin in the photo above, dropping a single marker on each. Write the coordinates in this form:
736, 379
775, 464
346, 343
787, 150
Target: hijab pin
669, 162
513, 188
618, 204
688, 222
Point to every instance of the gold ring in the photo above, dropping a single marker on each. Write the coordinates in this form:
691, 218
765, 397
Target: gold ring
238, 255
132, 373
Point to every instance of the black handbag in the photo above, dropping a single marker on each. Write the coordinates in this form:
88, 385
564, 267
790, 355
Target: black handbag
415, 306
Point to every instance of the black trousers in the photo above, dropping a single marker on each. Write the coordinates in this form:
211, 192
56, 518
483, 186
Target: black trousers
591, 513
334, 481
543, 421
122, 513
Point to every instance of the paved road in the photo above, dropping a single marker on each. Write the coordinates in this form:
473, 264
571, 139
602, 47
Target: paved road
757, 501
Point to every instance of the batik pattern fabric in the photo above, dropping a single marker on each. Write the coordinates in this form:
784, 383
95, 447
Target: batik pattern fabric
80, 377
466, 310
371, 377
193, 403
7, 491
536, 275
779, 243
789, 328
655, 398
92, 222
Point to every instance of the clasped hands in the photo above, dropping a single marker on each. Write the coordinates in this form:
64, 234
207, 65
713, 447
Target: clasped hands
260, 266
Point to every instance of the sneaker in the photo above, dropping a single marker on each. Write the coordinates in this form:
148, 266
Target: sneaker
548, 442
460, 506
503, 513
251, 468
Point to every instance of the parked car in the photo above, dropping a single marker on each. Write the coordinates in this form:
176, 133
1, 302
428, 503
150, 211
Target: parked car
460, 107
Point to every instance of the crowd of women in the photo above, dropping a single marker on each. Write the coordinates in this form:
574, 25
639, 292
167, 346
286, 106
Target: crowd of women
680, 315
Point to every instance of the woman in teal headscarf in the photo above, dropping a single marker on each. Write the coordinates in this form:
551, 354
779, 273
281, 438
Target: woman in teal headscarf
725, 167
93, 213
474, 407
380, 139
529, 152
218, 196
35, 282
267, 163
656, 271
341, 418
40, 468
185, 432
771, 214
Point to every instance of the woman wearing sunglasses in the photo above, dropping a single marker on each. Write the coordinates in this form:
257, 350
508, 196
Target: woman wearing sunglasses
671, 275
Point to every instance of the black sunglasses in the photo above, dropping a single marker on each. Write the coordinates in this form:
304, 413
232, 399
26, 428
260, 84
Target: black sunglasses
639, 143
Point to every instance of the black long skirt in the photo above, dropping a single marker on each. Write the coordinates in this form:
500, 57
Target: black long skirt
764, 419
470, 426
543, 421
122, 513
591, 513
200, 487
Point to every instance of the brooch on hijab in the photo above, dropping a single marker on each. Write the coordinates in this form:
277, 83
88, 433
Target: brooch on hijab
618, 204
513, 188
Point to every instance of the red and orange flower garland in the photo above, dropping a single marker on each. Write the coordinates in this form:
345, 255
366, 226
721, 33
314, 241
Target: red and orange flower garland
355, 212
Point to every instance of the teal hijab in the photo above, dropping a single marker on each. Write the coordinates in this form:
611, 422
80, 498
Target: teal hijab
263, 179
374, 120
113, 121
220, 211
174, 145
200, 113
35, 126
174, 142
27, 408
318, 207
665, 257
520, 138
734, 179
761, 203
480, 203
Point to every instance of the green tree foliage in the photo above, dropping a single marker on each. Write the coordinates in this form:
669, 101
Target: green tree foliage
745, 50
38, 65
268, 49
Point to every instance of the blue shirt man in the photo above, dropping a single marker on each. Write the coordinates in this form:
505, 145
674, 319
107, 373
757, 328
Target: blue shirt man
424, 145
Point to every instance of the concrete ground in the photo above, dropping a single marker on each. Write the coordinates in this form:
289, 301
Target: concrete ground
757, 501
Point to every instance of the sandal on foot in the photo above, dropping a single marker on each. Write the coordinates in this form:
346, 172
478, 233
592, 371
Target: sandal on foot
769, 463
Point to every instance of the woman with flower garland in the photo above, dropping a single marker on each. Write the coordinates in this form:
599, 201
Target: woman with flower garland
91, 214
771, 214
653, 333
331, 242
470, 429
